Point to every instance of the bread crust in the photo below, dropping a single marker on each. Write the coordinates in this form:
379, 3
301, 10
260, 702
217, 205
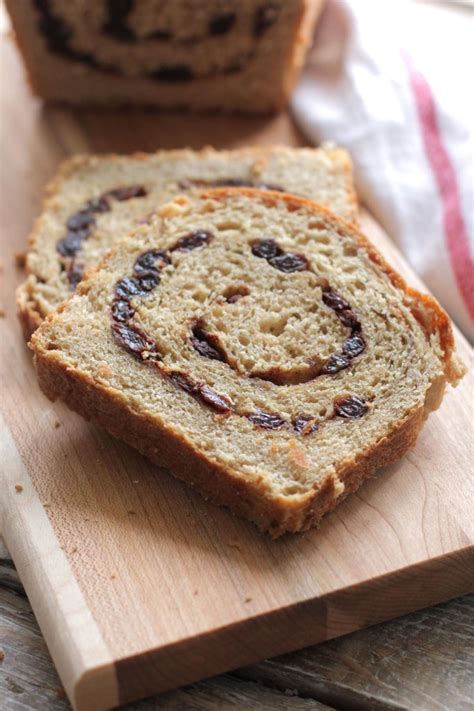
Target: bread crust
166, 448
304, 28
28, 315
250, 498
29, 310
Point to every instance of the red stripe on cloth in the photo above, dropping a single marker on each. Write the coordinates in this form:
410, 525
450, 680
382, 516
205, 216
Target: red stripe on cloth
455, 230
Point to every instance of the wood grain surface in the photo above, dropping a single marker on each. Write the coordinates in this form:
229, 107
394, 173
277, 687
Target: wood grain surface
137, 583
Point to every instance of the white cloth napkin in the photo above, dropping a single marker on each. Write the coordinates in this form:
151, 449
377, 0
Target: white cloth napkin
397, 93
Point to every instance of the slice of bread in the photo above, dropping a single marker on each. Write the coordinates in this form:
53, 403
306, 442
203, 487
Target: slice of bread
93, 201
230, 55
258, 346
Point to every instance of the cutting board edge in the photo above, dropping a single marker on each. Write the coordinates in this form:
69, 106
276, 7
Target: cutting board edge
312, 621
20, 522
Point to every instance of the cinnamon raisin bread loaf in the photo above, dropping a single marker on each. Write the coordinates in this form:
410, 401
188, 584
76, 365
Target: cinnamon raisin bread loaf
241, 55
258, 346
96, 200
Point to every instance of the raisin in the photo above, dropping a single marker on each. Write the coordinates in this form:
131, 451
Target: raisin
71, 243
305, 424
264, 18
245, 183
206, 344
205, 349
210, 397
232, 183
99, 204
127, 192
74, 275
193, 240
127, 287
122, 310
55, 29
119, 32
205, 393
350, 407
147, 281
289, 262
80, 220
222, 23
137, 286
173, 72
348, 318
353, 346
134, 340
228, 183
334, 301
184, 381
233, 68
163, 35
152, 260
234, 297
266, 420
270, 186
118, 10
284, 262
266, 249
334, 364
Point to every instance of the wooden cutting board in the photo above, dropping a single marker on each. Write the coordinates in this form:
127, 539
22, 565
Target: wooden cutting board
137, 583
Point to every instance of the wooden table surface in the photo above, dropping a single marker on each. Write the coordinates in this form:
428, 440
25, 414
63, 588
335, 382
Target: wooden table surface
421, 661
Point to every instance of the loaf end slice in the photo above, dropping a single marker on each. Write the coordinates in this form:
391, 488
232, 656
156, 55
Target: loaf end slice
256, 345
233, 55
95, 200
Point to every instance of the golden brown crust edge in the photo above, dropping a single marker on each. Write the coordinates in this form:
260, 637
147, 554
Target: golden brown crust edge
297, 49
166, 448
28, 314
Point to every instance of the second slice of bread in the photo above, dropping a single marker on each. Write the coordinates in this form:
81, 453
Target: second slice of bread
95, 200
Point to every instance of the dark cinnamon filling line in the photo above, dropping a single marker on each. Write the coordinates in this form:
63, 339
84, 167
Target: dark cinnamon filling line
228, 183
117, 18
353, 346
80, 225
58, 35
146, 276
206, 344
